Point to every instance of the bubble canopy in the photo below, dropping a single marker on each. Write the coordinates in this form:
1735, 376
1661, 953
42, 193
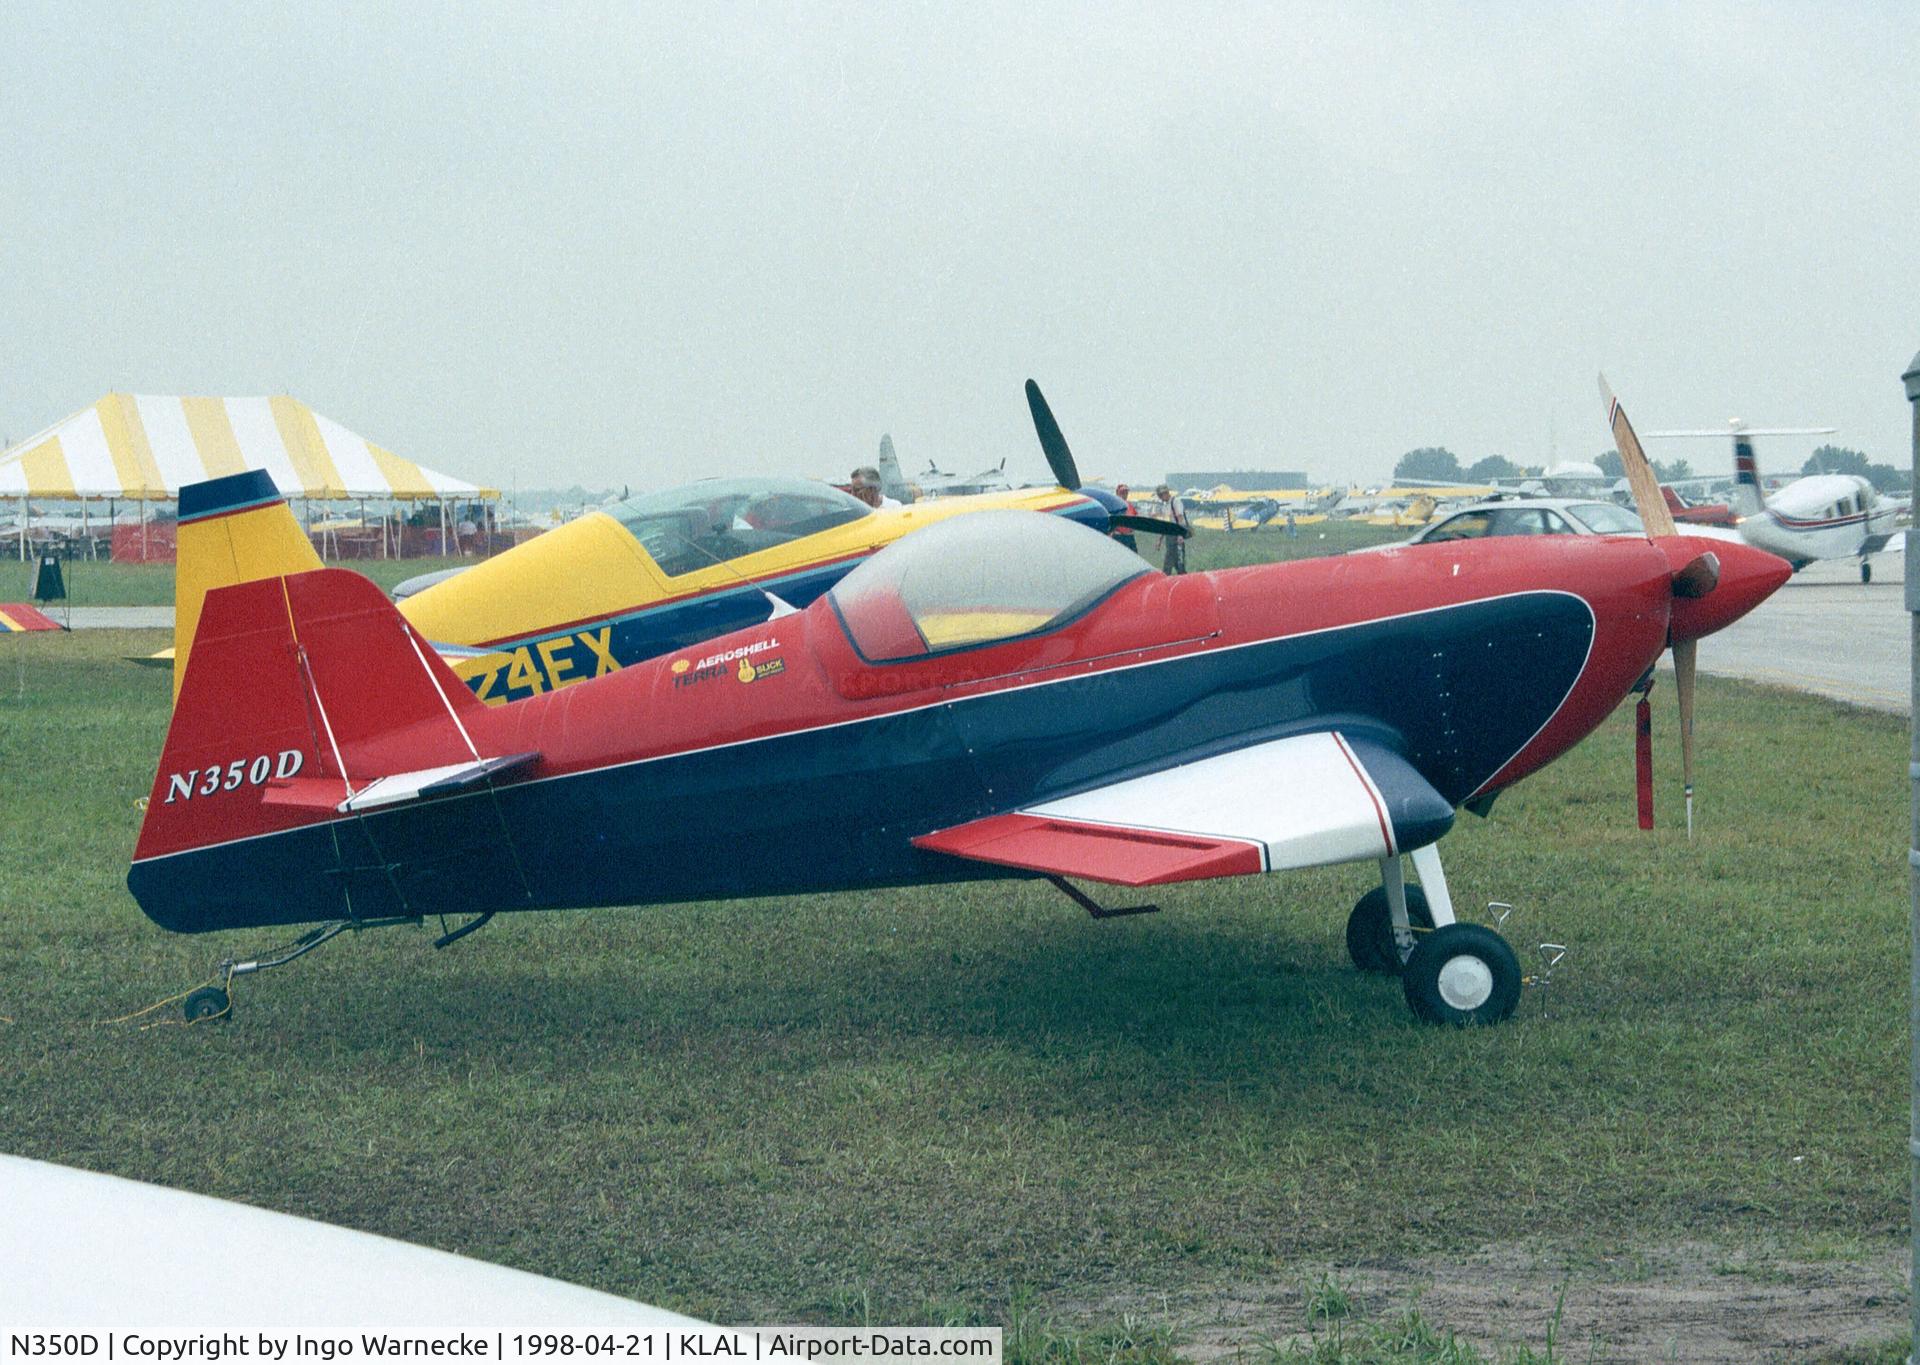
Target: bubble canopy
698, 525
977, 580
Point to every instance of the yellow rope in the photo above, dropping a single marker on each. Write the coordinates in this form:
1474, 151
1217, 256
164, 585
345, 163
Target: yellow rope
226, 985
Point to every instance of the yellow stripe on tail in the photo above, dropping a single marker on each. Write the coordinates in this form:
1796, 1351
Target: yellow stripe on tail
232, 530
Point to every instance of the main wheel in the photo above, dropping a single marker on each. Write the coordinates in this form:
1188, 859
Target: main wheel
1866, 572
209, 1002
1370, 941
1462, 974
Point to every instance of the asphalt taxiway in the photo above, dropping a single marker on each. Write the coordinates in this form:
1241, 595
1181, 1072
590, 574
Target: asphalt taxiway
1826, 632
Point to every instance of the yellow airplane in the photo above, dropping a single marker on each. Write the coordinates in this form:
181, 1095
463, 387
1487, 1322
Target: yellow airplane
652, 574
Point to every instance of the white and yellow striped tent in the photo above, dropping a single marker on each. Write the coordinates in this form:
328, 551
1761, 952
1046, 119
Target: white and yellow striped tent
143, 448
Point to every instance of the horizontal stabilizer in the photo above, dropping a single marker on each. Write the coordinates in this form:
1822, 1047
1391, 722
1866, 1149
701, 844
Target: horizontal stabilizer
430, 782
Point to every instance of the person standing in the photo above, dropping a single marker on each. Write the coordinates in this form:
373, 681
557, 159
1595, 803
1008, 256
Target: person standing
1175, 560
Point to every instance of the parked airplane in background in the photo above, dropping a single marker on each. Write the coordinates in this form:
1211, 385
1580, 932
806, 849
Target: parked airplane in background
1697, 513
892, 482
1001, 695
653, 573
935, 482
1820, 516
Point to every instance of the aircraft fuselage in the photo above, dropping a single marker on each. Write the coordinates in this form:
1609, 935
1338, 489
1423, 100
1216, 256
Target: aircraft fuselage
776, 760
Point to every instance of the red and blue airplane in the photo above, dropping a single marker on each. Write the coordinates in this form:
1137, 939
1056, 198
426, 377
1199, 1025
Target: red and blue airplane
1005, 694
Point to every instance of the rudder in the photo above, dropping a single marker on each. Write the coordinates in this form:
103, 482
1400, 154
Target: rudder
1749, 499
303, 695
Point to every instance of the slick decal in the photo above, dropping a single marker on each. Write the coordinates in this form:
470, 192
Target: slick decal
750, 671
547, 665
241, 772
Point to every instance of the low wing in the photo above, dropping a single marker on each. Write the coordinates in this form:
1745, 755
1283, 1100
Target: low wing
1303, 801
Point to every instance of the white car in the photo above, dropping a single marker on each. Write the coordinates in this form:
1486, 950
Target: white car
1526, 517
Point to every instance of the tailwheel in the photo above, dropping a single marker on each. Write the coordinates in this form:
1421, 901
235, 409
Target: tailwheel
1462, 974
1370, 941
209, 1002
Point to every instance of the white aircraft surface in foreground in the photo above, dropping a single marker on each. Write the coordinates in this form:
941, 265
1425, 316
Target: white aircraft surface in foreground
84, 1251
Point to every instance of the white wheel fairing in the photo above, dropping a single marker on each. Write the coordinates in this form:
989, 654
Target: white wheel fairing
1465, 982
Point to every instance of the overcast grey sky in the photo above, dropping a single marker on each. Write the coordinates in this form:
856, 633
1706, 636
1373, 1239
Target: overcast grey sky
639, 243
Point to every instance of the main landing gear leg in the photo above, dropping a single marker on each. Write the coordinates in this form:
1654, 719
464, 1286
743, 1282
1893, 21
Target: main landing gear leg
1458, 973
1452, 973
1866, 569
1387, 920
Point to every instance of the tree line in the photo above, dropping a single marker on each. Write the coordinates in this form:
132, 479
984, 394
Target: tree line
1440, 464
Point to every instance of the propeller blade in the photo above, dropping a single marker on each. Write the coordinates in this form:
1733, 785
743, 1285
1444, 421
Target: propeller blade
1059, 458
1647, 501
1686, 654
1643, 760
1153, 526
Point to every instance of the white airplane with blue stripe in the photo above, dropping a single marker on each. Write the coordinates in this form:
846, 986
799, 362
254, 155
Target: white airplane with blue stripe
1821, 516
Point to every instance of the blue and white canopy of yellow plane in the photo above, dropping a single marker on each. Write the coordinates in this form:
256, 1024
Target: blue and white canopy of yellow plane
643, 577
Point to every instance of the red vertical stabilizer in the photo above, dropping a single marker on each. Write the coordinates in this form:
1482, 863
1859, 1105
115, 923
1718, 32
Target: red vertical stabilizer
300, 691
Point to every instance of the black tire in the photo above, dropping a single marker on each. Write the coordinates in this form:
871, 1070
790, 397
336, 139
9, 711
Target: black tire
1462, 974
1370, 940
209, 1002
1866, 572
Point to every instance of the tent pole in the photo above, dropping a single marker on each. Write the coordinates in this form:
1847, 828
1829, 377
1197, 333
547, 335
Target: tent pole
23, 528
143, 530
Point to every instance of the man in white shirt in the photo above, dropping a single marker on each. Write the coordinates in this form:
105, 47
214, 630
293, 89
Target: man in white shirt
1176, 552
865, 485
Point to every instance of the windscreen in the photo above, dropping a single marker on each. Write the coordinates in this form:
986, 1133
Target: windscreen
702, 524
978, 579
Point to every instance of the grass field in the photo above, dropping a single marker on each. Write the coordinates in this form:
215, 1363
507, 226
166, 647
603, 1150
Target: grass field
976, 1104
957, 1103
1225, 549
